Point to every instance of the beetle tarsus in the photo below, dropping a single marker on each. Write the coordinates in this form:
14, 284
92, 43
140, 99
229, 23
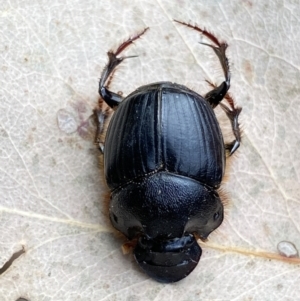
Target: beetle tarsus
111, 98
202, 31
130, 41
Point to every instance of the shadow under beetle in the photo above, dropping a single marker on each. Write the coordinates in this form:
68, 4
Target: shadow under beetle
164, 159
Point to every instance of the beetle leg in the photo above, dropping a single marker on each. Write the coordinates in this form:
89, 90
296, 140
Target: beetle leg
111, 98
218, 93
100, 117
233, 114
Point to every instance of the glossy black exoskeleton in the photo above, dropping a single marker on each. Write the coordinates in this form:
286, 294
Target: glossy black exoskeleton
164, 159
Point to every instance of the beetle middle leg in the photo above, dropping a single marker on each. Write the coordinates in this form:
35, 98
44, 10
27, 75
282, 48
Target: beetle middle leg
100, 117
218, 93
233, 114
111, 98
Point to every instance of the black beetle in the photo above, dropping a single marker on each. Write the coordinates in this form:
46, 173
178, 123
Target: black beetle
164, 159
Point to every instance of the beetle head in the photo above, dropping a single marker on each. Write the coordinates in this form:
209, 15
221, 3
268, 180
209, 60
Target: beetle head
168, 260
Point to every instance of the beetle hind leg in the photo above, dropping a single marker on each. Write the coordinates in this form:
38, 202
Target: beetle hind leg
111, 98
215, 96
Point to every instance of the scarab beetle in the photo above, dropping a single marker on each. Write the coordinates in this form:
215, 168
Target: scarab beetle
164, 159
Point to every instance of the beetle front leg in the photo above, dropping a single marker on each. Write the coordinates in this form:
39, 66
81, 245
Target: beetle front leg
218, 93
111, 98
215, 96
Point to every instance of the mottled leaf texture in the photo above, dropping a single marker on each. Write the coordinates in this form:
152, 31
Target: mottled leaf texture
56, 241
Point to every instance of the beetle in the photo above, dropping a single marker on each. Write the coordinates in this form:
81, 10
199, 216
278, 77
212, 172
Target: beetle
164, 160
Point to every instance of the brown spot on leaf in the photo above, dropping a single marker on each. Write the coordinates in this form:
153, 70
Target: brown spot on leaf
247, 66
248, 3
